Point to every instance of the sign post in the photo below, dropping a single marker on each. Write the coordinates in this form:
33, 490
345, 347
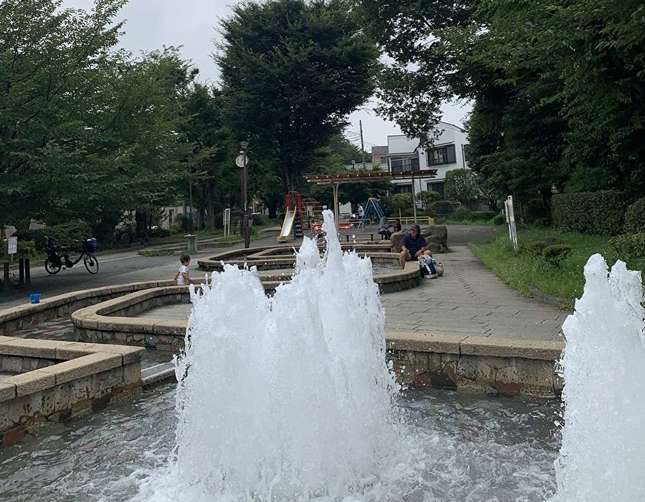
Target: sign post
510, 219
12, 246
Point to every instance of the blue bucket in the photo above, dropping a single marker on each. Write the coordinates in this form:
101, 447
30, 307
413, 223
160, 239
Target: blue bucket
35, 298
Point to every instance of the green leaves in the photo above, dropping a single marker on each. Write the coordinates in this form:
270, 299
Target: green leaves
292, 71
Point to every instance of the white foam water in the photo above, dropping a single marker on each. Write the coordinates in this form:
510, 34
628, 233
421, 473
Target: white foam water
284, 398
603, 438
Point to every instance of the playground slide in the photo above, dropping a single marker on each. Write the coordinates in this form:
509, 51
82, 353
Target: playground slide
287, 225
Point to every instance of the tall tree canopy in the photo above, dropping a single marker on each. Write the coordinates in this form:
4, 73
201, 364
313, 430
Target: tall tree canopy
292, 70
557, 87
86, 130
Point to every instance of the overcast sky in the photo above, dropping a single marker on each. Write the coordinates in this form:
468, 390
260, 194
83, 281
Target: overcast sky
192, 24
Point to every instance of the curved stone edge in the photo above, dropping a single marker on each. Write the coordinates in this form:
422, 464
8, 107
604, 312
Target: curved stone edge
507, 366
407, 278
22, 316
71, 379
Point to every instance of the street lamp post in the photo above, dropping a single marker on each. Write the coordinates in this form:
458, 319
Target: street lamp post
242, 161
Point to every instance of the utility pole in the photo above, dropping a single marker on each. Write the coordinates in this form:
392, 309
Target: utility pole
360, 123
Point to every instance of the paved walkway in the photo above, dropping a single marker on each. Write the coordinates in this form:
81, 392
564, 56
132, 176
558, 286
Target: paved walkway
470, 300
467, 300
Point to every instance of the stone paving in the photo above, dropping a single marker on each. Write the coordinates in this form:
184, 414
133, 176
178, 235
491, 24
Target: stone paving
468, 300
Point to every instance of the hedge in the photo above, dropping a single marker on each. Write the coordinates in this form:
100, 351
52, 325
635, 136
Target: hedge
600, 212
629, 246
635, 217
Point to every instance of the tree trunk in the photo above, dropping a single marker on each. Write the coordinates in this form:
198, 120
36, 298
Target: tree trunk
210, 206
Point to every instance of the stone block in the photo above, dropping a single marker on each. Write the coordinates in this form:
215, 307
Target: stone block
71, 350
131, 374
170, 327
83, 366
423, 342
11, 364
28, 347
547, 350
32, 382
7, 391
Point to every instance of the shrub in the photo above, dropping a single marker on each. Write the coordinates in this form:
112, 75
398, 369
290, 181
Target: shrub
26, 249
635, 217
462, 185
463, 214
444, 207
483, 215
629, 246
499, 219
537, 213
69, 234
556, 253
600, 212
427, 197
397, 202
259, 219
536, 248
159, 232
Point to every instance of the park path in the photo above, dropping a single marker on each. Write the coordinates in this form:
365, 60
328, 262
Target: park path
470, 300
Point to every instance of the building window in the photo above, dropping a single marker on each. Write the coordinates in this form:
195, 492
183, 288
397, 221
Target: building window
442, 155
405, 164
437, 187
402, 188
466, 153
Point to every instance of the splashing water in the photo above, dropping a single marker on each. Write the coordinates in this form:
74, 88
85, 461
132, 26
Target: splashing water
603, 439
285, 398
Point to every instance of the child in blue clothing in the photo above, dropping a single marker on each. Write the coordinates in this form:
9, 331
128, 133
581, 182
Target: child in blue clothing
427, 264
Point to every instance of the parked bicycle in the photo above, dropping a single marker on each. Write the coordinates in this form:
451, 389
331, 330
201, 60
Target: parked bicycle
58, 257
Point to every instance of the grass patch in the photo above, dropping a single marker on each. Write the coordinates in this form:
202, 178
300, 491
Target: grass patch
527, 269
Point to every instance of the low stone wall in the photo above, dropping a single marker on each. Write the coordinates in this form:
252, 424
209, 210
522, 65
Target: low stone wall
112, 322
435, 235
499, 365
503, 366
23, 316
72, 379
265, 258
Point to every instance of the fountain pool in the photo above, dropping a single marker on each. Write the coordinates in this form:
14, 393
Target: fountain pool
289, 398
459, 447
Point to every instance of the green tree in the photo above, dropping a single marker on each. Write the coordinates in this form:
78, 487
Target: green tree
292, 71
462, 185
557, 87
86, 131
49, 61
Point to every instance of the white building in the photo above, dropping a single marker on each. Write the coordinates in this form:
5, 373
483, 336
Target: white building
447, 153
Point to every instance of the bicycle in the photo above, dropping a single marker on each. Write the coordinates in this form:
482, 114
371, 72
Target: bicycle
57, 258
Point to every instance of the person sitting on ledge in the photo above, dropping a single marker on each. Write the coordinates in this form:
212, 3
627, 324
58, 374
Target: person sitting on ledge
412, 246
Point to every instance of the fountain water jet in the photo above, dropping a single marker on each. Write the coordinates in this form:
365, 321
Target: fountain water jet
285, 398
603, 439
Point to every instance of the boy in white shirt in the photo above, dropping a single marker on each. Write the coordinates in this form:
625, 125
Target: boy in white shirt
182, 277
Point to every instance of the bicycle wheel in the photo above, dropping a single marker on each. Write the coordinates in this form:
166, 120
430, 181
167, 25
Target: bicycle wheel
53, 266
91, 264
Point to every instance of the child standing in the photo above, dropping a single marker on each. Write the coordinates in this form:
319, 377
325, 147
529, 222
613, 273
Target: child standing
182, 277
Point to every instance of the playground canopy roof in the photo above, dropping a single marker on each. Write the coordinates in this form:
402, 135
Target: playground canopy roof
366, 177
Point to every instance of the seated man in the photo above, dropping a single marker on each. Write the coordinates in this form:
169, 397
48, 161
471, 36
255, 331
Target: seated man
412, 246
